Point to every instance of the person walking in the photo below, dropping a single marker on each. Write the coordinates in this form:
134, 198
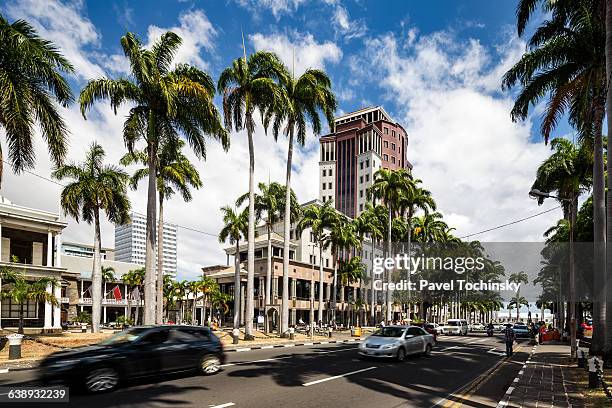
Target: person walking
509, 337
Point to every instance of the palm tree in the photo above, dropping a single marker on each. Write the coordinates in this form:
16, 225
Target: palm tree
351, 271
369, 222
180, 291
95, 187
343, 239
390, 186
430, 227
235, 227
108, 275
516, 302
133, 279
194, 288
20, 291
319, 218
247, 85
208, 286
165, 105
268, 205
174, 174
302, 100
31, 78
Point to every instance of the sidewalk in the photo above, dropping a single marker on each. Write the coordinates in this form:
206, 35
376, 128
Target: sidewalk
546, 380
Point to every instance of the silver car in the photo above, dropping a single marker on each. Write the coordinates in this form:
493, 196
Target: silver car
397, 342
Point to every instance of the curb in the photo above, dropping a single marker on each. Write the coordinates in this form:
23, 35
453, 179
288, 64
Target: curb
311, 343
504, 401
11, 369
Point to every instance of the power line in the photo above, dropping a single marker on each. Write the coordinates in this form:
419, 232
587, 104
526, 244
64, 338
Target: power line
135, 212
511, 223
216, 235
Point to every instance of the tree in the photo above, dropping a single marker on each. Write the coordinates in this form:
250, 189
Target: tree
133, 279
108, 274
31, 80
247, 85
95, 187
319, 218
269, 203
20, 291
235, 226
301, 101
351, 271
390, 186
165, 105
430, 227
516, 302
371, 222
343, 239
174, 174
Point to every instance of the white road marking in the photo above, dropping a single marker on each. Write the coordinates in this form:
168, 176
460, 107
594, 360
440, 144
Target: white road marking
309, 344
243, 349
335, 377
267, 347
283, 358
4, 370
227, 404
497, 353
289, 345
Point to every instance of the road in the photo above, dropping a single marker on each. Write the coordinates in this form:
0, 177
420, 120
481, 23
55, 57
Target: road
461, 370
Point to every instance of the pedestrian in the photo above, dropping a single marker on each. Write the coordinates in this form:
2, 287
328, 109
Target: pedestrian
509, 338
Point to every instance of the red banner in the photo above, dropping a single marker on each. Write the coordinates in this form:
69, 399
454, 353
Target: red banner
117, 293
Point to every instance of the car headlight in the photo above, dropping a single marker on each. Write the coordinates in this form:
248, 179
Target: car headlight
389, 346
362, 345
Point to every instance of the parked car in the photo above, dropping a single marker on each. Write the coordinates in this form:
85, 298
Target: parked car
433, 329
477, 327
587, 324
456, 326
136, 352
397, 342
521, 330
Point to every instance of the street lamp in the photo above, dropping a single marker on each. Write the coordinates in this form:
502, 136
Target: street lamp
537, 194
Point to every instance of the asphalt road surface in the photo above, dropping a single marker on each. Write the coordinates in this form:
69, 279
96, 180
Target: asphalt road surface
468, 371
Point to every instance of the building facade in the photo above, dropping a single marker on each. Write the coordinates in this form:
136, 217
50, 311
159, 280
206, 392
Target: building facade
130, 243
361, 143
86, 251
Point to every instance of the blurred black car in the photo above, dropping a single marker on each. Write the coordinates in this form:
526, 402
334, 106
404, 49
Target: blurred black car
135, 352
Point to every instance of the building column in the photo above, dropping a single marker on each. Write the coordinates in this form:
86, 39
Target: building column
0, 278
48, 310
242, 304
58, 250
293, 319
104, 314
57, 309
49, 248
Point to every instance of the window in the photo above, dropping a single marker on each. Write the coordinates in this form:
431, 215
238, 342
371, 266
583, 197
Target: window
360, 179
329, 198
10, 310
393, 133
324, 186
327, 262
329, 186
367, 178
393, 146
360, 193
393, 160
312, 237
361, 165
386, 144
367, 163
324, 172
360, 207
386, 131
385, 157
330, 172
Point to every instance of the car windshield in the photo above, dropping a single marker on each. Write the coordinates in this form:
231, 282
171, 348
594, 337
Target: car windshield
389, 332
429, 326
520, 326
452, 323
126, 336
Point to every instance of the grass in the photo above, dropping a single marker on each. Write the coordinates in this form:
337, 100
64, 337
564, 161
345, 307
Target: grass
593, 398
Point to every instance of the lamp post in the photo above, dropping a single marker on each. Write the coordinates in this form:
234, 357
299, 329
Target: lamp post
537, 194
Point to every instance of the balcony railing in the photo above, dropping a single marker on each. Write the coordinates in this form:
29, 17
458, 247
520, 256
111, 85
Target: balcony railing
109, 302
64, 300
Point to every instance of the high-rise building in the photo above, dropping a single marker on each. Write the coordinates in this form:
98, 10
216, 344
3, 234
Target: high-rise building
361, 143
86, 251
130, 243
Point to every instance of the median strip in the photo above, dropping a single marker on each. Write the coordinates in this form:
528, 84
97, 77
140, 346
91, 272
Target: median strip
335, 377
310, 343
227, 404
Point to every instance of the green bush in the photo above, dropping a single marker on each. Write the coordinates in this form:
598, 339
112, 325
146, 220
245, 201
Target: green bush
83, 317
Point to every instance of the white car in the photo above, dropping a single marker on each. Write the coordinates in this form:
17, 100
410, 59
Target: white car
456, 326
477, 327
397, 342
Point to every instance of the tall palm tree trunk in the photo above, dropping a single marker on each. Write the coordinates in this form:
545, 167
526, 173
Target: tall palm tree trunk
286, 231
608, 322
248, 324
159, 311
149, 281
334, 290
128, 297
268, 275
389, 250
96, 277
599, 230
372, 292
137, 312
320, 281
237, 286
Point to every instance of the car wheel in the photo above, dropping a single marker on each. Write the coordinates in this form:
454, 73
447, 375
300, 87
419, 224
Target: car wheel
210, 365
427, 352
401, 354
101, 380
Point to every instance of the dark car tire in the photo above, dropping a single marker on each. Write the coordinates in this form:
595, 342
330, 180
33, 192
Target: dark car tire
210, 365
401, 354
101, 379
427, 351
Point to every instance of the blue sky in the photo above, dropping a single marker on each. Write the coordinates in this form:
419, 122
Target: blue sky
435, 66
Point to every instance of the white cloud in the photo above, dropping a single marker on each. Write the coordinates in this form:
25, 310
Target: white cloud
303, 50
478, 164
197, 33
276, 7
345, 26
66, 26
